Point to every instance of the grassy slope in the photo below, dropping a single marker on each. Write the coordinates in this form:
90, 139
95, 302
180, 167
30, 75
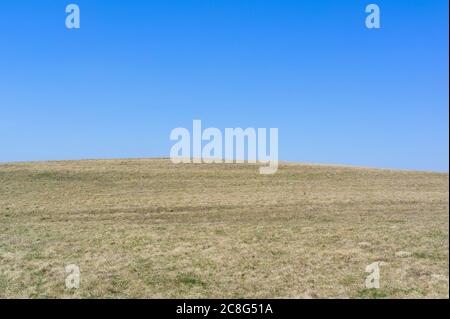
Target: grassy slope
149, 228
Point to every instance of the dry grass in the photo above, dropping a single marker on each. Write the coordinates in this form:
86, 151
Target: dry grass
149, 228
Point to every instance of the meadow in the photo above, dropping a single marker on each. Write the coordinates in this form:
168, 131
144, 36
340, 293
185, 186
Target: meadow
148, 228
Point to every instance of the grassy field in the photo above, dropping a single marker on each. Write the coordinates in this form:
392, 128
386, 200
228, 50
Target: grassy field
148, 228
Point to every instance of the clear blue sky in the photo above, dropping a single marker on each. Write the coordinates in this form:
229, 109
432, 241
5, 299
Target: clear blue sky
338, 92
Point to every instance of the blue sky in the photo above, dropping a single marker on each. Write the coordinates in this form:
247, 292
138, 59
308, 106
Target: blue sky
337, 91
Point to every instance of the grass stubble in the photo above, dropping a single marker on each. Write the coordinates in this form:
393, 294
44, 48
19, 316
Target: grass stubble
147, 228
